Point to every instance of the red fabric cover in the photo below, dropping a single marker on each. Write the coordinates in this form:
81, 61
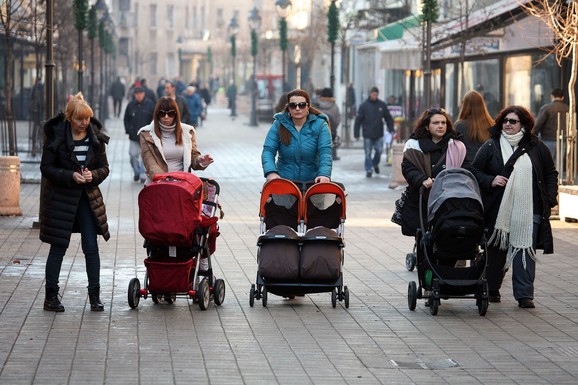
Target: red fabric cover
168, 277
170, 209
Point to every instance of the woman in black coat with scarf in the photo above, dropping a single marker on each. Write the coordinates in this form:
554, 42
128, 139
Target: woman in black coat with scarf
73, 164
518, 183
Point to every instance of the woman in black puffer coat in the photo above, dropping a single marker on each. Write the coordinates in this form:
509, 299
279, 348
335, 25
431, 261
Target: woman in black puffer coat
73, 163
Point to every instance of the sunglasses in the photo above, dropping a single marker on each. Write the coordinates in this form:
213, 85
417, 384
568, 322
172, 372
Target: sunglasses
434, 111
301, 105
169, 113
511, 121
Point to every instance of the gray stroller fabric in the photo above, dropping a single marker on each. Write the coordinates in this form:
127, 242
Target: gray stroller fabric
452, 183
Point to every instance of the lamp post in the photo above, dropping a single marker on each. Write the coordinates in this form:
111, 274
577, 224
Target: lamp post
80, 23
332, 31
254, 24
233, 30
283, 10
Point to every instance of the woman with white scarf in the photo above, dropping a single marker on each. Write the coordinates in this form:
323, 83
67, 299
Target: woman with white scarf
168, 145
518, 182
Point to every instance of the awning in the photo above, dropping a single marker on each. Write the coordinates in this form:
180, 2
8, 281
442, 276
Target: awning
395, 30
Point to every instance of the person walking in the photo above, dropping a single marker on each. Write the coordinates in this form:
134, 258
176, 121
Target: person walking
74, 164
370, 116
169, 145
518, 183
298, 144
117, 91
138, 113
171, 92
194, 104
547, 120
473, 123
350, 101
149, 93
232, 98
327, 105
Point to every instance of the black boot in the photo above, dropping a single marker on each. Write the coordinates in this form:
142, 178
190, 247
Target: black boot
94, 297
51, 301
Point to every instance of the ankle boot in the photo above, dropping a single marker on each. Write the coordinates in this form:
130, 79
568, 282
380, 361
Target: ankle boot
94, 297
51, 301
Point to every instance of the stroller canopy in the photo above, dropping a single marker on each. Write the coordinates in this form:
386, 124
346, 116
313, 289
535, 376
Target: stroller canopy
452, 183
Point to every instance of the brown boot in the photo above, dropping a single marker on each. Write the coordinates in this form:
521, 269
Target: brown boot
51, 301
94, 297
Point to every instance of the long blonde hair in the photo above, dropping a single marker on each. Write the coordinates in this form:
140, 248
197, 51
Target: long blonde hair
78, 108
475, 113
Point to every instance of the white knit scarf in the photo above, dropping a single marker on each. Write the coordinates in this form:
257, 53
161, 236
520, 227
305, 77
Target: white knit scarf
514, 225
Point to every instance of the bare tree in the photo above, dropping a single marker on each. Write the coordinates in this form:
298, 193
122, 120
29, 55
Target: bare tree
562, 18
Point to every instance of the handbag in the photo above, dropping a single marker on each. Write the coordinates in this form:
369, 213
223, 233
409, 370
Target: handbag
396, 217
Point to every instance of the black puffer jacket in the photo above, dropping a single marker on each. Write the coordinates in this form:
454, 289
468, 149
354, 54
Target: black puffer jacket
489, 162
61, 194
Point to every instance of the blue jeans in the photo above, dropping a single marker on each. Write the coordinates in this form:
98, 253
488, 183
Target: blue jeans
88, 231
377, 145
135, 159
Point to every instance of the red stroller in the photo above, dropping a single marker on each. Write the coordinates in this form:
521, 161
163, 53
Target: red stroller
177, 218
301, 242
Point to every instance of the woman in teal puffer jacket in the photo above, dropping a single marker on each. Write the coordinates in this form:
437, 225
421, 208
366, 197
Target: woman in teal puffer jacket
298, 145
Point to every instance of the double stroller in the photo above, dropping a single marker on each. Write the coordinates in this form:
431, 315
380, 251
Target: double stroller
178, 220
300, 249
455, 232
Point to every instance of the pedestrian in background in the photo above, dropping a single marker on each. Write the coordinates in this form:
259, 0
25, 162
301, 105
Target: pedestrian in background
518, 183
473, 123
547, 120
326, 104
194, 104
232, 98
171, 92
149, 93
138, 113
117, 91
350, 101
74, 164
371, 115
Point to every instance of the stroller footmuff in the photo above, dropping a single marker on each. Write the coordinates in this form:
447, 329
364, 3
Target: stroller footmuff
455, 232
301, 242
177, 219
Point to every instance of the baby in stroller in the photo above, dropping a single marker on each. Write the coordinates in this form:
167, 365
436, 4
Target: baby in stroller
179, 224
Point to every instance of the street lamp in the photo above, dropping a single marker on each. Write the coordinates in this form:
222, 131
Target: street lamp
254, 24
283, 10
180, 54
233, 30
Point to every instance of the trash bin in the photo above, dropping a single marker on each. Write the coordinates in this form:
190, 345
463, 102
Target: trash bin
10, 185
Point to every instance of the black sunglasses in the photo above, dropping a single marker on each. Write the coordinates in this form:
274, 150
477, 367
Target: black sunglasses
301, 105
433, 111
511, 121
169, 113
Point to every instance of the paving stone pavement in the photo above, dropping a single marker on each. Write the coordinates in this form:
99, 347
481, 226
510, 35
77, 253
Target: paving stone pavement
301, 341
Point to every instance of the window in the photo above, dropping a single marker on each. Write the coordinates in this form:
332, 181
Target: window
153, 57
187, 10
171, 16
153, 15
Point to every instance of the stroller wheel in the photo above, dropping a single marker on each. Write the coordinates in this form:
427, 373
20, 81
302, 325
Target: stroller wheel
410, 260
482, 306
434, 304
412, 295
219, 292
133, 293
204, 294
334, 298
264, 296
252, 295
346, 296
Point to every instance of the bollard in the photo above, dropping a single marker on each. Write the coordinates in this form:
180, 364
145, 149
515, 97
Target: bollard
397, 178
10, 185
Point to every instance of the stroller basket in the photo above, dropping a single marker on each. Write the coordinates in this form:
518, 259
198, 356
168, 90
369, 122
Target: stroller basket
168, 277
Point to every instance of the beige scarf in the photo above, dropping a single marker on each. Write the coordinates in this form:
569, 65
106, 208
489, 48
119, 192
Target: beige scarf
514, 225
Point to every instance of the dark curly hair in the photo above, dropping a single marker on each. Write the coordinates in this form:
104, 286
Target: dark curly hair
525, 116
420, 129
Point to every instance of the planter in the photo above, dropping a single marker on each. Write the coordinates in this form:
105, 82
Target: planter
10, 185
397, 178
568, 202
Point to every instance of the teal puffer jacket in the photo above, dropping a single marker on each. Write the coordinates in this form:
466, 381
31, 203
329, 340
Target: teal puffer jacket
307, 156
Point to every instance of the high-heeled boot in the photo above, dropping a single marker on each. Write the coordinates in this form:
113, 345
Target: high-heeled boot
51, 301
94, 297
